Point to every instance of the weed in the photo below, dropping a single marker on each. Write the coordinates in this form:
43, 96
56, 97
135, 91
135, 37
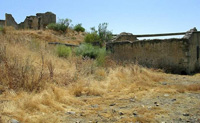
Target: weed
51, 68
3, 30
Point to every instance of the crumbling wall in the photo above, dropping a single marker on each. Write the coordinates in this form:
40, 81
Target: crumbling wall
31, 22
10, 21
45, 19
168, 54
2, 23
40, 21
124, 37
194, 52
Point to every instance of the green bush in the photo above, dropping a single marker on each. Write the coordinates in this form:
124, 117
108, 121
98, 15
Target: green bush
101, 56
63, 51
94, 52
92, 37
62, 25
102, 35
79, 28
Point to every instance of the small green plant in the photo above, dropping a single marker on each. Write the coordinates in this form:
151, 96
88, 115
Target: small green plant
79, 28
2, 29
62, 25
101, 56
63, 51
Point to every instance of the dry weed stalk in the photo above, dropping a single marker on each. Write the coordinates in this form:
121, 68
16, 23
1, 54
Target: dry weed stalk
19, 75
51, 68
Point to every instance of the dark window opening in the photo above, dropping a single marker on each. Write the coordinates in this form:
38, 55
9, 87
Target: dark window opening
39, 22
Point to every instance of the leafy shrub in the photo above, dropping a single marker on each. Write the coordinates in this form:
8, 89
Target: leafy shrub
63, 51
62, 25
101, 56
102, 35
79, 28
92, 37
94, 52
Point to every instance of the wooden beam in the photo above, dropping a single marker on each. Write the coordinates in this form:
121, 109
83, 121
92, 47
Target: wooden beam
154, 35
164, 34
57, 43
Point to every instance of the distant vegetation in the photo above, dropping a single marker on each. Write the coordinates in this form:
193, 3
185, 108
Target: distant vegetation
79, 28
62, 25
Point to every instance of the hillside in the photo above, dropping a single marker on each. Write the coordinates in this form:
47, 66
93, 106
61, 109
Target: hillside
37, 86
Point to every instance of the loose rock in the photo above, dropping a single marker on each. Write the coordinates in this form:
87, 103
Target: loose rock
71, 112
121, 113
186, 114
112, 104
132, 100
14, 121
173, 100
166, 95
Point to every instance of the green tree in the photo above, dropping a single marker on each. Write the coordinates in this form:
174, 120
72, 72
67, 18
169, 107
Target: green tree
102, 35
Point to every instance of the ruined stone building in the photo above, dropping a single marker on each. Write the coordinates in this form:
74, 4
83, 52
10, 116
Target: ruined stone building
176, 55
40, 21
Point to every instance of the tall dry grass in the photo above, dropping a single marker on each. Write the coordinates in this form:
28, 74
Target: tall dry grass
38, 86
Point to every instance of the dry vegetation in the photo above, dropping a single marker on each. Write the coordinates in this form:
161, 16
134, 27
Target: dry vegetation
37, 86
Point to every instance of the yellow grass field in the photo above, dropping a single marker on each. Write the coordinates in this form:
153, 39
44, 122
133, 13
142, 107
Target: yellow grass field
37, 86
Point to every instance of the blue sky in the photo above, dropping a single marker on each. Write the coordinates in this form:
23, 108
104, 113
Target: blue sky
135, 16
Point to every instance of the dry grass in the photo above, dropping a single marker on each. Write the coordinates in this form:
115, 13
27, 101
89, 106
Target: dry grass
38, 86
186, 88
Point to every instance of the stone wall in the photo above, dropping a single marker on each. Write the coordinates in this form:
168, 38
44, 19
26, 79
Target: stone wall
173, 55
31, 22
124, 37
194, 52
2, 23
45, 19
10, 21
40, 21
169, 54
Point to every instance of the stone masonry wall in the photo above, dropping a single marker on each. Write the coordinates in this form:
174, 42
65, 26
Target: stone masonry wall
10, 21
194, 52
2, 23
40, 21
167, 54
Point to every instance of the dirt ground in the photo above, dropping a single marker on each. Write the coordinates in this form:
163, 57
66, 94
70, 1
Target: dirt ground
163, 107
